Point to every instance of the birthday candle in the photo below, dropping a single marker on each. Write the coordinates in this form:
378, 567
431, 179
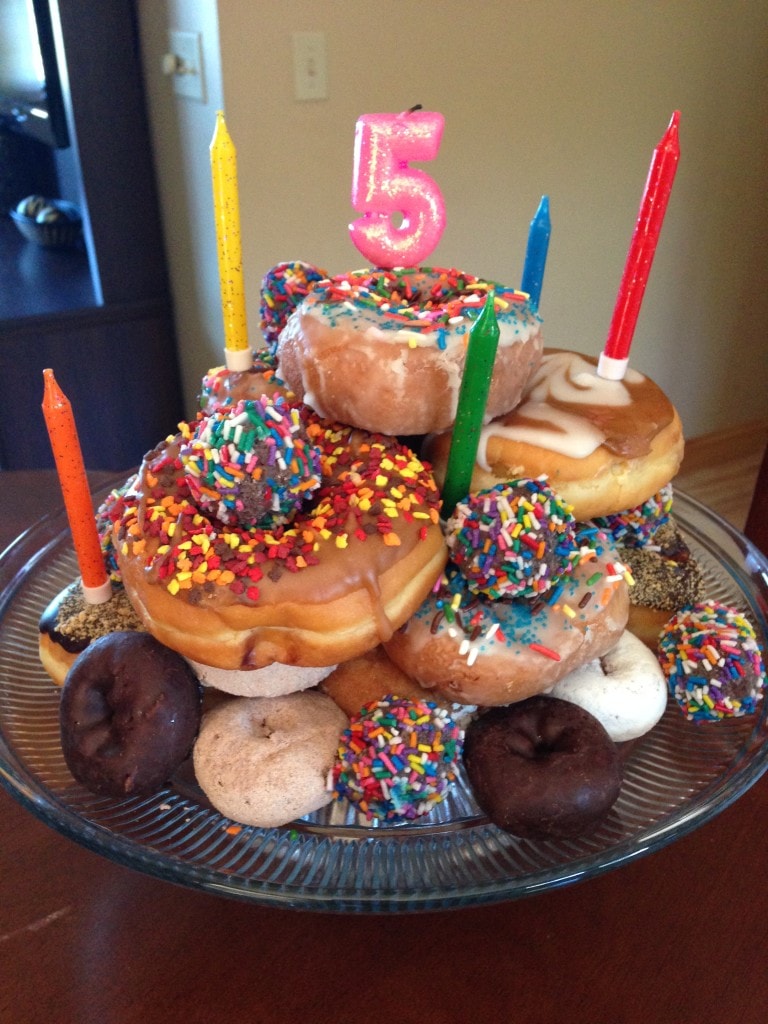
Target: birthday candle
470, 412
226, 208
68, 457
536, 253
653, 205
383, 184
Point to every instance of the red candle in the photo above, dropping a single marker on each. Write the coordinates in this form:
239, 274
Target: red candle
615, 356
74, 488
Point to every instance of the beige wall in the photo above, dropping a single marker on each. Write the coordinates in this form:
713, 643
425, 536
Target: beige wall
560, 97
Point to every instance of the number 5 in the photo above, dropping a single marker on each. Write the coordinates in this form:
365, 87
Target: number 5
384, 184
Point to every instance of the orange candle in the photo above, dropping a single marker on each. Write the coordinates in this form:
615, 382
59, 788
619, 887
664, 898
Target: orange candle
74, 488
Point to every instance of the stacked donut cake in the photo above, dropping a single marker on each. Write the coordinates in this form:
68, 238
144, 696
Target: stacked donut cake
332, 633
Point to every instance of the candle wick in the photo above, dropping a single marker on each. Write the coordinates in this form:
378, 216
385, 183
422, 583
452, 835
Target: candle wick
416, 106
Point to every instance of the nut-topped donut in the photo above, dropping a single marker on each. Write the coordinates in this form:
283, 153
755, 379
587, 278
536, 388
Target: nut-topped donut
604, 445
384, 349
349, 568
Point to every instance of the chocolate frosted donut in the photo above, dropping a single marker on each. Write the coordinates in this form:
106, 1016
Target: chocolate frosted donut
542, 768
130, 711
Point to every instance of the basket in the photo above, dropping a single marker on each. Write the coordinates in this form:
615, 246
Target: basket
53, 234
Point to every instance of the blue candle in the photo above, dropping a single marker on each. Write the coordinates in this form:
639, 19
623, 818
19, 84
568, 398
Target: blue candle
536, 253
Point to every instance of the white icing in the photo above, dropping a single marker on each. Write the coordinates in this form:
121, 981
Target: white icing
569, 377
560, 432
516, 325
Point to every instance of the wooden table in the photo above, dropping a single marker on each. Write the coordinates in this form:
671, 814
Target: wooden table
675, 936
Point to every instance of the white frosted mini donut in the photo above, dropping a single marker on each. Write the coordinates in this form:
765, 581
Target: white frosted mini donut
624, 689
384, 350
264, 761
271, 681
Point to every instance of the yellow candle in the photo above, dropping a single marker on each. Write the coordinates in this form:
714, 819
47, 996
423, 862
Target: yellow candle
226, 210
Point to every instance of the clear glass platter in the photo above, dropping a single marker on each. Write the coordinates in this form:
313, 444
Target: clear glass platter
676, 778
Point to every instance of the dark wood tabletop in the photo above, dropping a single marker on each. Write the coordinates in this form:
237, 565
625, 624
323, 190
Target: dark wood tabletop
675, 936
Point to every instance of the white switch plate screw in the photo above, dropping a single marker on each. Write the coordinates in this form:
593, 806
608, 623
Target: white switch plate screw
185, 63
310, 71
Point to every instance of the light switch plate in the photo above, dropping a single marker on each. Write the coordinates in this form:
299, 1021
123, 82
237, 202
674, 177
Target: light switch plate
310, 72
188, 77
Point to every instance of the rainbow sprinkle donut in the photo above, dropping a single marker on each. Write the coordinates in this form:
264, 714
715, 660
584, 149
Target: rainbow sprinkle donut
397, 759
713, 662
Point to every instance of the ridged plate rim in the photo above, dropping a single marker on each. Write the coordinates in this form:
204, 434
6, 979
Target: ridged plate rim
676, 779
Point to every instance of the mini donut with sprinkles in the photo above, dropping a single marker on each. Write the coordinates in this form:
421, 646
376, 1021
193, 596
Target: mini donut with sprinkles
384, 350
263, 534
509, 626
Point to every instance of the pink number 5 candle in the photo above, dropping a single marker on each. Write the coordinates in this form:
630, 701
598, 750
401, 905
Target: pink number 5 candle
384, 185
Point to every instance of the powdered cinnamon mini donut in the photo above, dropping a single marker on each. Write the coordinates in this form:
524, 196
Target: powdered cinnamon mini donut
476, 650
604, 445
265, 760
271, 681
624, 689
384, 349
359, 556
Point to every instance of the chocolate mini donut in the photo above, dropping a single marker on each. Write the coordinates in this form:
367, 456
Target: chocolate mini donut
130, 711
542, 768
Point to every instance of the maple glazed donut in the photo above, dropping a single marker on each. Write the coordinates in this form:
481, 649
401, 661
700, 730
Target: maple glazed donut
213, 579
384, 350
604, 445
473, 648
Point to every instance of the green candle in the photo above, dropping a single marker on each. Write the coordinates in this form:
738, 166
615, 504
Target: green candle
473, 397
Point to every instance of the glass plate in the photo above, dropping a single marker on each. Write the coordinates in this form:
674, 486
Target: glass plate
678, 777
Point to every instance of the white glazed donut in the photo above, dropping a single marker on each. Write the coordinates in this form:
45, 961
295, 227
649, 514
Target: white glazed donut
625, 689
264, 761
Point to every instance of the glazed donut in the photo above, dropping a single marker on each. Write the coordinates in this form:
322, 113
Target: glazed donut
476, 650
129, 713
265, 761
372, 676
384, 350
358, 558
604, 445
713, 662
542, 769
625, 689
69, 624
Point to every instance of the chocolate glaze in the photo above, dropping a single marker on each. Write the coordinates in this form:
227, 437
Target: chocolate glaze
542, 768
130, 711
